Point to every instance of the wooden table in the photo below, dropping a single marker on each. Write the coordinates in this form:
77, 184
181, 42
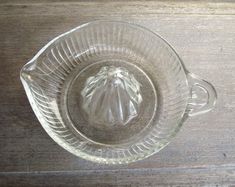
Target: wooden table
202, 154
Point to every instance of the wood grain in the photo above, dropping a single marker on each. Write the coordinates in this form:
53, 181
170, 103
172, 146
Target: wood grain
203, 153
215, 176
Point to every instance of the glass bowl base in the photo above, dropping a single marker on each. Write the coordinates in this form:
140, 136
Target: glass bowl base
108, 100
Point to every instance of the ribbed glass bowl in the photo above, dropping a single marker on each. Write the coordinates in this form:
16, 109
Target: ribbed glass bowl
112, 92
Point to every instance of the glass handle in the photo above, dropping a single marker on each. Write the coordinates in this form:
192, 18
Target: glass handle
202, 95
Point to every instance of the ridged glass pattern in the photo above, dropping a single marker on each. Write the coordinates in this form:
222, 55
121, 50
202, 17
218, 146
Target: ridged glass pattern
112, 96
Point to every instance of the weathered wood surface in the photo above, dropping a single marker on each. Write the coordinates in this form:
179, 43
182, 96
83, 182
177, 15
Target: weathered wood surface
203, 153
